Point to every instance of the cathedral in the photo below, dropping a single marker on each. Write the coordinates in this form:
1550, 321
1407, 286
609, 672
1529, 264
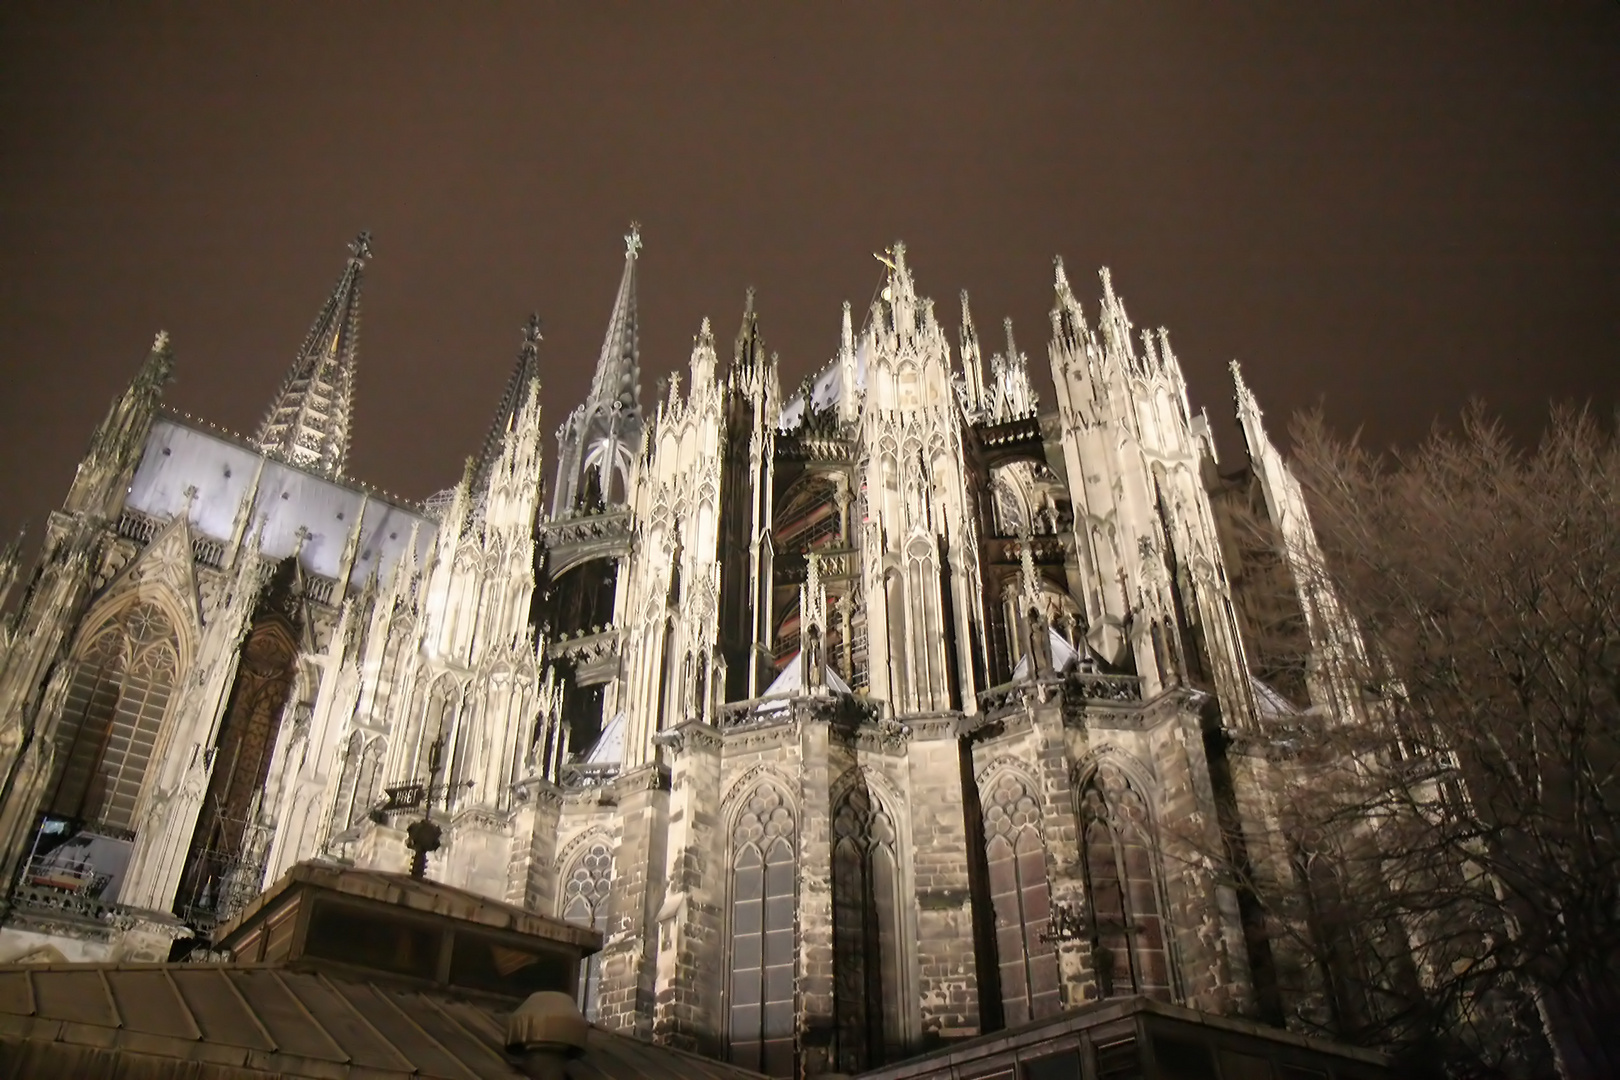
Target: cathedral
859, 716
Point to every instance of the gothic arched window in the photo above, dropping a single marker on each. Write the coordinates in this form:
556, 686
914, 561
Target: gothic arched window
347, 775
584, 900
264, 677
120, 687
760, 1018
866, 932
1127, 927
1022, 900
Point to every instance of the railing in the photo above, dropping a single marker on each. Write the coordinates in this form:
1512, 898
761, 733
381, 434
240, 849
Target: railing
208, 552
778, 707
134, 525
589, 775
44, 873
41, 898
1086, 686
1077, 687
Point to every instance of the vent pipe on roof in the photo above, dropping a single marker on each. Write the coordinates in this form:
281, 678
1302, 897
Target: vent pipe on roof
545, 1031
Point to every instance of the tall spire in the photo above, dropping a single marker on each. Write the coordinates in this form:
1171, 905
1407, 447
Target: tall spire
747, 355
308, 422
596, 443
703, 357
618, 369
972, 362
524, 374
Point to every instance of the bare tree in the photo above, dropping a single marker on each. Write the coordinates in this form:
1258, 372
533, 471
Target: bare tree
1447, 861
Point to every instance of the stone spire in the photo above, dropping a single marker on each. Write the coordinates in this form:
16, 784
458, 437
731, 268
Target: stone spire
308, 422
1068, 324
596, 443
618, 368
119, 440
525, 373
748, 354
972, 362
703, 358
1011, 396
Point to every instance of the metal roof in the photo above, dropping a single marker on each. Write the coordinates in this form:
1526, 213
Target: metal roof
412, 894
224, 1022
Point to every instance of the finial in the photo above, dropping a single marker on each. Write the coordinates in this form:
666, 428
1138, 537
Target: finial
1240, 389
360, 249
632, 241
748, 302
160, 341
531, 330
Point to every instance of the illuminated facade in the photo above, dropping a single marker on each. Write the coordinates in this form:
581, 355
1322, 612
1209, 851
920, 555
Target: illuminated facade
886, 709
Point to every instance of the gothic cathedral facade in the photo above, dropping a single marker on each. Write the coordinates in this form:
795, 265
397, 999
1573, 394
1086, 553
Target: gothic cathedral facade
886, 709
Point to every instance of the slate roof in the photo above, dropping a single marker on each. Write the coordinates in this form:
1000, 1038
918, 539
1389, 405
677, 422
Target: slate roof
233, 1022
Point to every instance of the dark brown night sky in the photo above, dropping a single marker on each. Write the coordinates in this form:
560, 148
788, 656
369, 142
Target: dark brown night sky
1390, 207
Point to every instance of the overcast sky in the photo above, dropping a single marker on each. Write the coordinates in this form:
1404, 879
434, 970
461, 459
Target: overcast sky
1387, 207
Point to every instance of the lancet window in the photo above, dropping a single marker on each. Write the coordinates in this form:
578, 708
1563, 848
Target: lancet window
1021, 897
1127, 924
584, 900
121, 684
264, 677
760, 1004
866, 932
357, 783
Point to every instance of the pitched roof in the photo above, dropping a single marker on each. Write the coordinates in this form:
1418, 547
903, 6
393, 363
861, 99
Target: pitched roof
416, 894
224, 1022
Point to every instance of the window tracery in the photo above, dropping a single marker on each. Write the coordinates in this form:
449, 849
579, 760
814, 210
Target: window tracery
1118, 854
866, 931
1021, 897
760, 1020
584, 900
120, 688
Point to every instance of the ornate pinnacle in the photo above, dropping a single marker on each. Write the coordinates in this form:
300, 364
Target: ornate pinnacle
531, 330
360, 248
632, 240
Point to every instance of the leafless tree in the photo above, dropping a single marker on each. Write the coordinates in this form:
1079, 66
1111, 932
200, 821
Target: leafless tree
1447, 862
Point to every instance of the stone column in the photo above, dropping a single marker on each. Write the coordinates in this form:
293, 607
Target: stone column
690, 969
815, 896
531, 878
625, 1002
947, 975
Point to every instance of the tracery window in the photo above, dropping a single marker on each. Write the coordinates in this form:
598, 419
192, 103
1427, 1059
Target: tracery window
1022, 899
264, 677
584, 900
760, 1017
866, 932
121, 684
1127, 926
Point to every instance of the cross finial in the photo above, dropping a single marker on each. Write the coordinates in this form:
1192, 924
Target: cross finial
361, 247
531, 330
632, 240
